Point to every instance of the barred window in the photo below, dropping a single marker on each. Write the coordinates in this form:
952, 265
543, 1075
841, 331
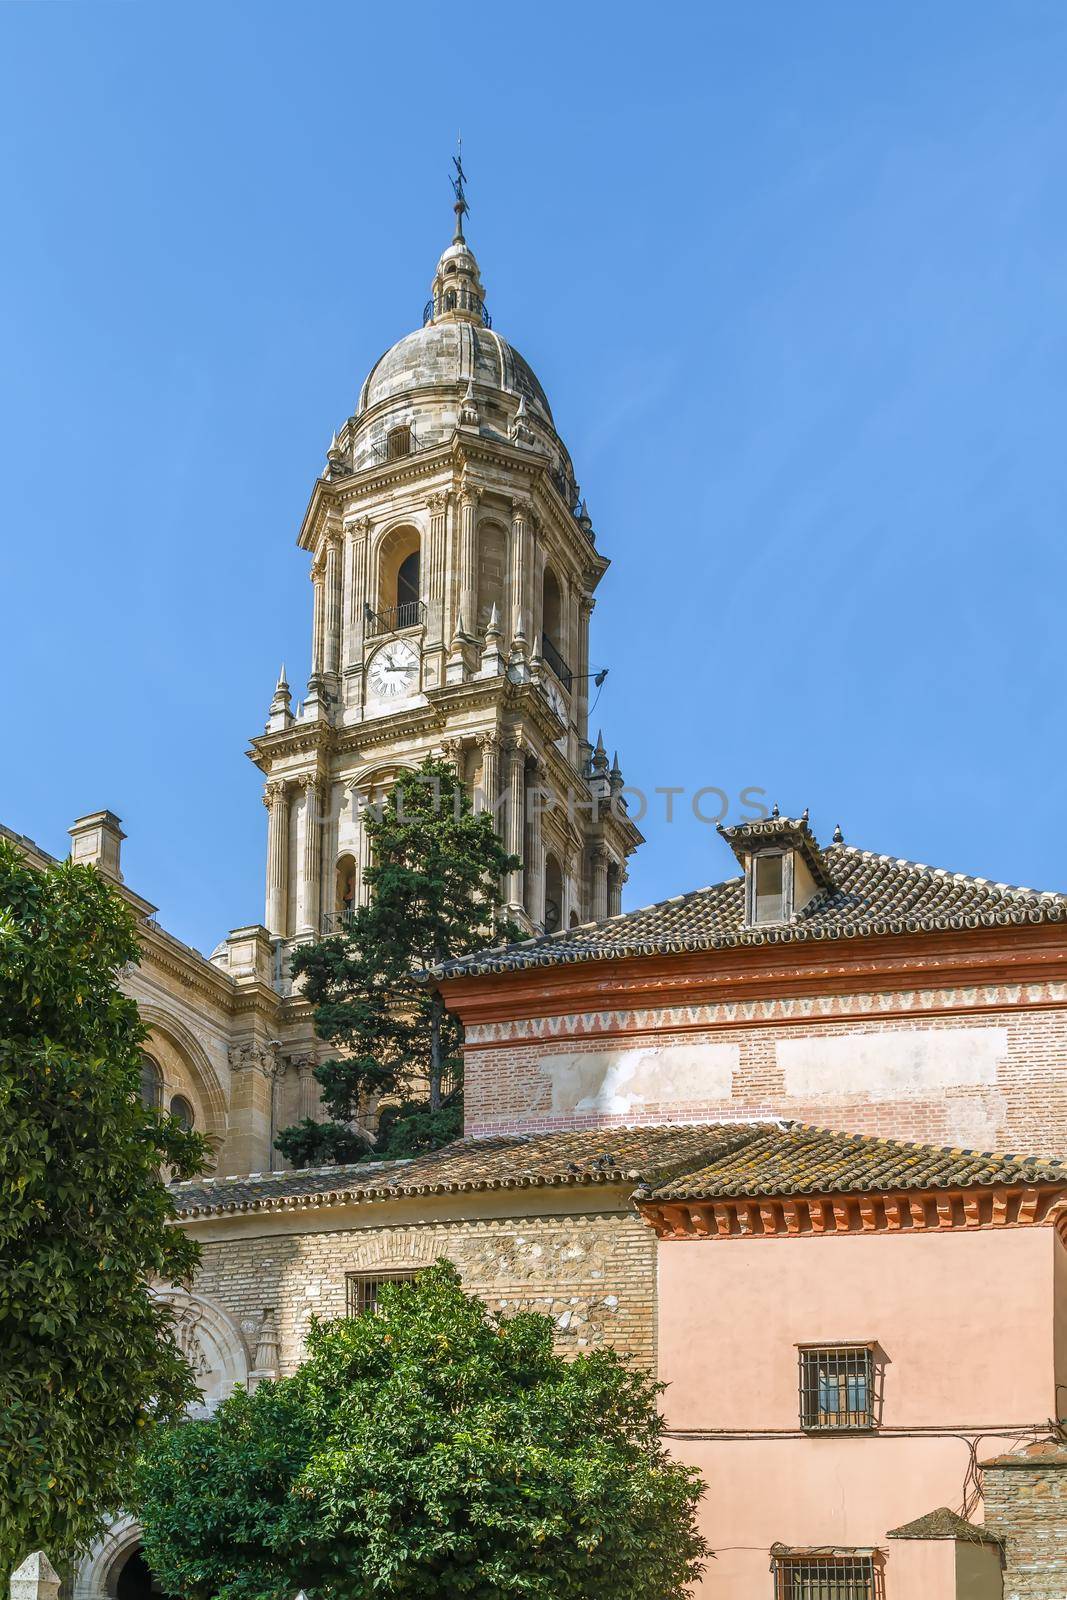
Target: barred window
837, 1386
398, 442
818, 1577
362, 1290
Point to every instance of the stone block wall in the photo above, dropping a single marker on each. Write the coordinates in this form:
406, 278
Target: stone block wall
1026, 1507
594, 1274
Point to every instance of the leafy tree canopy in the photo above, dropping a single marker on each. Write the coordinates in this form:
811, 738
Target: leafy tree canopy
87, 1360
433, 1451
434, 893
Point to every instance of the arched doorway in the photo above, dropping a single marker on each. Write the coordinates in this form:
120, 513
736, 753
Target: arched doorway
135, 1579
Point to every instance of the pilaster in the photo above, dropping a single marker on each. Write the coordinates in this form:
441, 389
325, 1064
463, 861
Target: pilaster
276, 800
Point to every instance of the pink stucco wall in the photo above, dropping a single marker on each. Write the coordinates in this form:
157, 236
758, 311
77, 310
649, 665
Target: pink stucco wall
966, 1325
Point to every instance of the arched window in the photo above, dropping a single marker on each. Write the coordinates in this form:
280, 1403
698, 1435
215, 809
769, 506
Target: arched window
552, 628
183, 1111
553, 894
492, 572
346, 887
151, 1084
407, 580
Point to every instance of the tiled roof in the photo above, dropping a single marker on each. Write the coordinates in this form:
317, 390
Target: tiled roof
943, 1524
867, 894
610, 1155
675, 1162
793, 1158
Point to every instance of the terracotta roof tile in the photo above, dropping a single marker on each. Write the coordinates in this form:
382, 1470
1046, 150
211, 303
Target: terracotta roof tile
866, 894
587, 1156
794, 1158
678, 1161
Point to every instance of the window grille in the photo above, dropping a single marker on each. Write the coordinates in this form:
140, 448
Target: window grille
362, 1290
398, 443
837, 1386
811, 1577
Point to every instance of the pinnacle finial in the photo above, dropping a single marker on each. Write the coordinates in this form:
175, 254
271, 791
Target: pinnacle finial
804, 814
839, 837
775, 811
492, 630
282, 681
461, 207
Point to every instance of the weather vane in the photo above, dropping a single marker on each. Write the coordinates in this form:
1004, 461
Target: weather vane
462, 208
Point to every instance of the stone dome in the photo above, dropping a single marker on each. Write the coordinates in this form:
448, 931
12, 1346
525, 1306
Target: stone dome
451, 354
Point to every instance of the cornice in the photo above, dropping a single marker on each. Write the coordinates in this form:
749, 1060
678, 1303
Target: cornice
962, 1210
265, 748
887, 965
189, 966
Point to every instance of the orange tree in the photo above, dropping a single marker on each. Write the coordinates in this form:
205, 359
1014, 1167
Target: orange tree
86, 1357
433, 1451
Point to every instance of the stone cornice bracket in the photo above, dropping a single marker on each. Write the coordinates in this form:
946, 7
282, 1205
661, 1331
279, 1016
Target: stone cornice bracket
811, 1216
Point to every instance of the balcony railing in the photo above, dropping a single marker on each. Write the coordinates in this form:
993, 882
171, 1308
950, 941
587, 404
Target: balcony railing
336, 921
460, 301
551, 655
393, 619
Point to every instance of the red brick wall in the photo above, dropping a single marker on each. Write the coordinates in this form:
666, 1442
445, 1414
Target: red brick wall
1026, 1506
1024, 1107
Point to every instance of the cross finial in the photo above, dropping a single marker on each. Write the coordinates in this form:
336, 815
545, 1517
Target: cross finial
461, 207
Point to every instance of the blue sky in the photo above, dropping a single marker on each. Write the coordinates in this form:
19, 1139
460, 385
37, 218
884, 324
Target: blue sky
794, 278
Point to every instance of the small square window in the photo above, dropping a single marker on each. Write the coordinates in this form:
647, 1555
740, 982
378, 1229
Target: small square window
836, 1387
362, 1290
819, 1577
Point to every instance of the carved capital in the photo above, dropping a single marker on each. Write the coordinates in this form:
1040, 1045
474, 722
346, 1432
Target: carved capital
360, 528
437, 503
488, 742
586, 603
522, 509
274, 792
251, 1057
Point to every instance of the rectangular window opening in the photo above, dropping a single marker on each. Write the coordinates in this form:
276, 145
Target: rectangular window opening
770, 888
362, 1290
836, 1387
838, 1577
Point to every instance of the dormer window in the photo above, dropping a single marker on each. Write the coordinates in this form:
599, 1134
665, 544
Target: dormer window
784, 867
768, 889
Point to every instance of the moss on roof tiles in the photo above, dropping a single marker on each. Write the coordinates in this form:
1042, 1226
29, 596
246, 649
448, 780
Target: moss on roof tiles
868, 894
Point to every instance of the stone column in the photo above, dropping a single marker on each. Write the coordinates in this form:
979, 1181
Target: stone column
276, 800
331, 652
317, 619
599, 876
519, 567
581, 666
616, 879
487, 796
535, 849
515, 818
309, 1088
468, 576
311, 856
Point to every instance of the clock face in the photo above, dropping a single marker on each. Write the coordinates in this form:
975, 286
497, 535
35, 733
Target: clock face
554, 695
393, 672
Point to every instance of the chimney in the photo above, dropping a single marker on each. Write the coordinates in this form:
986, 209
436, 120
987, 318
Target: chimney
97, 840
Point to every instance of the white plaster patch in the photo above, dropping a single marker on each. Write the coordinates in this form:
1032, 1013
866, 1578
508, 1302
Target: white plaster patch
891, 1066
618, 1081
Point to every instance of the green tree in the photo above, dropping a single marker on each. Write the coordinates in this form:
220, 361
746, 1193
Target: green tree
86, 1358
434, 884
433, 1451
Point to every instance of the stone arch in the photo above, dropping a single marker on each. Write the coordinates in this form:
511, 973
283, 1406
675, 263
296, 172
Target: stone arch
97, 1573
185, 1065
397, 546
393, 1250
211, 1342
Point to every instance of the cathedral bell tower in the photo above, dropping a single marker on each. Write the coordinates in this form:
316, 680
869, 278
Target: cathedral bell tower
453, 568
